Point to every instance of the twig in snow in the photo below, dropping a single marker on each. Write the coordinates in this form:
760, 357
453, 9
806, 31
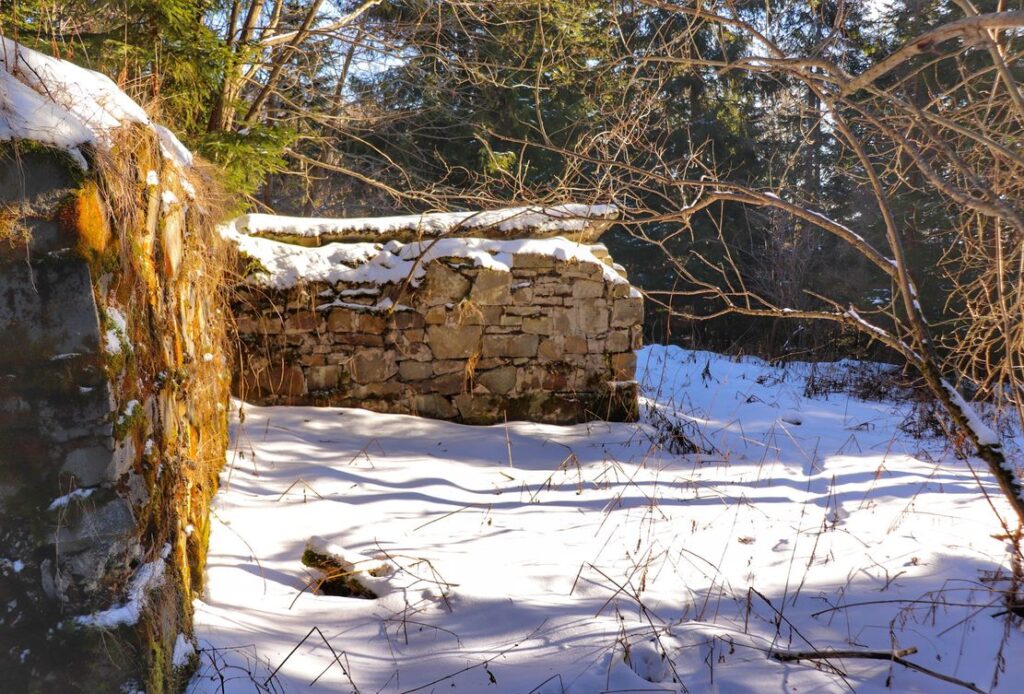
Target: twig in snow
337, 659
556, 676
447, 515
484, 663
839, 673
292, 485
896, 656
364, 452
850, 605
508, 441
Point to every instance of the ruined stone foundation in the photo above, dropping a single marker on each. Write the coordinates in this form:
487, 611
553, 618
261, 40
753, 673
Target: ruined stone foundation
473, 330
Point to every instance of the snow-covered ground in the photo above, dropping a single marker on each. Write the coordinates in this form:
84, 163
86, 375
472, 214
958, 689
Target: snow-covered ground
534, 558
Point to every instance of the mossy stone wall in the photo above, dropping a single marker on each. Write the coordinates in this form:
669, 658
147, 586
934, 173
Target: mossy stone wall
113, 411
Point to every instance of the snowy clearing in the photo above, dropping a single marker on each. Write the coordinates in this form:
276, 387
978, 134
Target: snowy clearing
591, 558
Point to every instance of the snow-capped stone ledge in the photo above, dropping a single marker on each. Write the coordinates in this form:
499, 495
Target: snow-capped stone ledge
469, 329
281, 265
583, 223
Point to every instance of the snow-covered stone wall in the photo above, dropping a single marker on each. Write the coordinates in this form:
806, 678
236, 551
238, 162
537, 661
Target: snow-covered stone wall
113, 384
468, 329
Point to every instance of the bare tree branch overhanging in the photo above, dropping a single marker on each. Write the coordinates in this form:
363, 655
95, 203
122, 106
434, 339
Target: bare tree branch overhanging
933, 126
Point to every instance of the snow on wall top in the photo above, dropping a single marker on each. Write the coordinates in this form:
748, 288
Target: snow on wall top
558, 219
58, 103
287, 265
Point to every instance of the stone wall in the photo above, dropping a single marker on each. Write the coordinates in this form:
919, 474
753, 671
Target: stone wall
113, 393
541, 336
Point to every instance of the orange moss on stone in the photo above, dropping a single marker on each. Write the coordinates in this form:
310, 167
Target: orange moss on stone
85, 218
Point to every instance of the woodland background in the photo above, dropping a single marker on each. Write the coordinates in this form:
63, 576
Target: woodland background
348, 109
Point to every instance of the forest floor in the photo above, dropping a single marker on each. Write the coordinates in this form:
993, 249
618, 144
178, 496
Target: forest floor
607, 558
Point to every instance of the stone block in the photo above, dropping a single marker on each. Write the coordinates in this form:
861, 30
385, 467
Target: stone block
522, 294
449, 366
372, 366
442, 285
102, 528
537, 325
370, 323
621, 290
122, 459
533, 261
414, 370
574, 344
301, 322
271, 324
636, 337
405, 320
562, 289
502, 330
623, 366
387, 390
617, 341
323, 377
585, 380
454, 341
589, 317
469, 313
246, 323
510, 345
498, 381
359, 340
627, 312
531, 311
480, 409
89, 466
555, 381
416, 351
287, 380
551, 350
578, 270
492, 287
449, 384
530, 378
172, 241
340, 357
401, 338
436, 315
585, 289
434, 405
341, 320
